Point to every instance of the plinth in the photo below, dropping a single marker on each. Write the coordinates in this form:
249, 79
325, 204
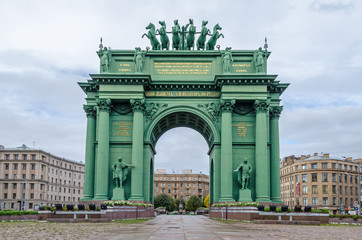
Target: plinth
245, 195
118, 194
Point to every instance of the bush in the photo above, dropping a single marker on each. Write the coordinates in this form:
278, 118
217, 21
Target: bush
124, 203
193, 203
207, 201
164, 200
12, 213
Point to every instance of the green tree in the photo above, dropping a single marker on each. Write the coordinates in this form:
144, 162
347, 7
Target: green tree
193, 203
164, 200
207, 201
177, 204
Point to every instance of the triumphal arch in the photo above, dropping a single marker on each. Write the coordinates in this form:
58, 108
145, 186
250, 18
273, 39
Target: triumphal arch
183, 80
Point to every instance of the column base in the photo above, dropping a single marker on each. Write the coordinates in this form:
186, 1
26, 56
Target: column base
262, 199
226, 199
276, 200
136, 198
101, 197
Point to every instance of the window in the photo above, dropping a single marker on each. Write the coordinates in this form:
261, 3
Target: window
156, 184
163, 178
169, 184
297, 178
334, 189
32, 195
169, 190
333, 177
325, 189
15, 185
25, 156
324, 165
345, 178
6, 185
314, 166
305, 201
5, 195
16, 156
24, 166
181, 179
188, 178
355, 179
314, 177
194, 178
296, 168
340, 177
32, 176
333, 165
350, 167
31, 185
339, 166
14, 195
15, 166
315, 201
355, 168
33, 166
304, 166
194, 185
7, 166
24, 176
351, 190
345, 167
325, 177
345, 190
334, 200
7, 156
304, 177
325, 201
78, 176
350, 178
6, 176
346, 201
305, 189
169, 178
80, 169
32, 156
314, 189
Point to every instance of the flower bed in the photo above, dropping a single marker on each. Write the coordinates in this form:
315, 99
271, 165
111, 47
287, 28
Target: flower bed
126, 203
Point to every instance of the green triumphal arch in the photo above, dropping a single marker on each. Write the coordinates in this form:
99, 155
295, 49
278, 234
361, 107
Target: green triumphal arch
225, 95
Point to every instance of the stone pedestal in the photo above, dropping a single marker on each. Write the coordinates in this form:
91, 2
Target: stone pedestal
245, 195
118, 194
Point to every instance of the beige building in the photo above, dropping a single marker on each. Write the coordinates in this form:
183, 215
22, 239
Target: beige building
179, 185
320, 181
43, 178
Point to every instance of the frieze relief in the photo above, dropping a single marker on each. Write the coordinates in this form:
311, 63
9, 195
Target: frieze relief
152, 108
212, 109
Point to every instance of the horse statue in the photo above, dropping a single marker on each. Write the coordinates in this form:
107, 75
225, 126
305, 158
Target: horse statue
200, 44
215, 36
190, 37
176, 39
152, 36
165, 42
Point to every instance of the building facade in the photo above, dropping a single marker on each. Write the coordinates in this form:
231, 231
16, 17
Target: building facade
44, 179
182, 185
320, 181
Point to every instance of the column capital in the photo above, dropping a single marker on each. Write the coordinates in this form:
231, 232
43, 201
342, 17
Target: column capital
275, 111
227, 105
89, 110
138, 104
104, 104
261, 105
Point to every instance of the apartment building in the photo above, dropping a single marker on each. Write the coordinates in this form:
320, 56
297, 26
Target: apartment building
33, 177
320, 181
181, 185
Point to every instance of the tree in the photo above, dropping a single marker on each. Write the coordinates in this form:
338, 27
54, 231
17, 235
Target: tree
193, 203
207, 201
163, 200
177, 203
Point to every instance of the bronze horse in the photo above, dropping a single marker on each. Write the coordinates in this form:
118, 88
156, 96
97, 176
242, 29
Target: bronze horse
214, 37
152, 36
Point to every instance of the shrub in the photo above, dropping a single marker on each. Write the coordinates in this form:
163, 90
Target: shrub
12, 213
207, 201
164, 200
124, 203
193, 203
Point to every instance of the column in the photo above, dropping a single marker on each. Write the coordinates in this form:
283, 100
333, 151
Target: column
88, 192
137, 151
226, 107
262, 165
274, 155
102, 171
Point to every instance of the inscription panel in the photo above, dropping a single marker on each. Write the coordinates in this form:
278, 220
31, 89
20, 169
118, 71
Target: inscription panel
182, 94
182, 68
242, 67
243, 131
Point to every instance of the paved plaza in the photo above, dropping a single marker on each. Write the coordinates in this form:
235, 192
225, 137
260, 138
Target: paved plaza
173, 227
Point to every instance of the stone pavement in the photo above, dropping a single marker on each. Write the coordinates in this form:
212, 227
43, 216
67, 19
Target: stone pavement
200, 227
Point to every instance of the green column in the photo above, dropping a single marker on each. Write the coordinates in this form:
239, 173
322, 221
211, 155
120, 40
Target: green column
226, 107
262, 165
89, 153
274, 155
102, 171
137, 151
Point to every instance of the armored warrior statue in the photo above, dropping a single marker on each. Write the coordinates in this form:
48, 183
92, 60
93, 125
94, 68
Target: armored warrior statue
120, 172
244, 174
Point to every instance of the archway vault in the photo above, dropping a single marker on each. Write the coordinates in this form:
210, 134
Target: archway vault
182, 116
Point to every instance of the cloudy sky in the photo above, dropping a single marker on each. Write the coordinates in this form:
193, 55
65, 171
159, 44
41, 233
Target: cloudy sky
46, 47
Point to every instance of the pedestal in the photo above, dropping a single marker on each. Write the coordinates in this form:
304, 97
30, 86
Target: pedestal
118, 194
245, 195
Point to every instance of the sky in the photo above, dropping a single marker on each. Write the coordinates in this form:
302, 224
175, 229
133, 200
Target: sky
46, 47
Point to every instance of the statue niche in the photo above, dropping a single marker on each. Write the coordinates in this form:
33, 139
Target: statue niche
120, 173
244, 178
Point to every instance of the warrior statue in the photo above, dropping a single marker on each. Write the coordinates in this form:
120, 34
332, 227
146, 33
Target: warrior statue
227, 59
200, 44
190, 37
244, 174
120, 172
138, 59
105, 58
165, 42
259, 61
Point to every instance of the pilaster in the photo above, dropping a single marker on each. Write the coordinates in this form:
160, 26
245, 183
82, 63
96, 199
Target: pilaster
262, 165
